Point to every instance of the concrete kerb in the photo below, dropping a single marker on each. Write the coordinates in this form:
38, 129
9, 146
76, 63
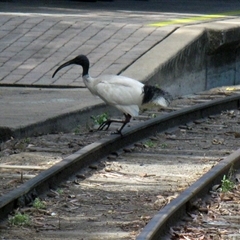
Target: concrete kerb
159, 65
187, 61
64, 122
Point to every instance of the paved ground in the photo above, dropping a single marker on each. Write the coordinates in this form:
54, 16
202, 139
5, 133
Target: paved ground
37, 36
34, 44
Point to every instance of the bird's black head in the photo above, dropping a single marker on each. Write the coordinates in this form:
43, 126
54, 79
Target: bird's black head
79, 60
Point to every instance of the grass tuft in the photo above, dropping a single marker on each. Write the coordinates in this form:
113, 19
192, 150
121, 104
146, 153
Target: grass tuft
20, 219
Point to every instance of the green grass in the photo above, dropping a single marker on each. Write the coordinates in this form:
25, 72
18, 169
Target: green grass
27, 140
77, 130
59, 191
20, 219
99, 119
38, 204
150, 144
164, 145
227, 184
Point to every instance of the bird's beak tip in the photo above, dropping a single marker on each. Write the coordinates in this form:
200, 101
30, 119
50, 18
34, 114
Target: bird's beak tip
63, 65
54, 74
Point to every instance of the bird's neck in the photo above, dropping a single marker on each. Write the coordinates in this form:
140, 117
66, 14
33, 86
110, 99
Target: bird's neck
85, 71
85, 66
89, 82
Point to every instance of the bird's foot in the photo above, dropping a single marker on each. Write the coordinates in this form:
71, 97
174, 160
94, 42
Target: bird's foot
117, 132
105, 124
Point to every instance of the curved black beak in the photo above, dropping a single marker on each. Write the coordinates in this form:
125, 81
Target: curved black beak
64, 65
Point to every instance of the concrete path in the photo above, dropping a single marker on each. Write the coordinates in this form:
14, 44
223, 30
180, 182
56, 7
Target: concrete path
37, 36
33, 44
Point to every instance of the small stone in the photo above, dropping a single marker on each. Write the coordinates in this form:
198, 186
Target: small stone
139, 145
216, 187
82, 176
154, 138
51, 194
71, 196
159, 203
127, 150
93, 166
112, 157
107, 169
115, 154
199, 121
213, 116
237, 135
183, 127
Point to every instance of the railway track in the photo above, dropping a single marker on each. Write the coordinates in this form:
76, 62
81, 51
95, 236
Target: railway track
112, 187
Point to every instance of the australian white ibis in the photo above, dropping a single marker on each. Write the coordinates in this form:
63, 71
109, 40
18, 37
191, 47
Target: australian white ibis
126, 94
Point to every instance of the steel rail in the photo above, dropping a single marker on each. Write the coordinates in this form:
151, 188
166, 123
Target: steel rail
159, 226
51, 177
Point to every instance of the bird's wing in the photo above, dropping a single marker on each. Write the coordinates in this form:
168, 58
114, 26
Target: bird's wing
122, 92
132, 110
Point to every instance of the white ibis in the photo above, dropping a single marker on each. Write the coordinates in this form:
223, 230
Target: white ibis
124, 93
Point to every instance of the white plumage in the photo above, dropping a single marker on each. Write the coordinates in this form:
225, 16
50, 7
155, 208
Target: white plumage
122, 92
126, 94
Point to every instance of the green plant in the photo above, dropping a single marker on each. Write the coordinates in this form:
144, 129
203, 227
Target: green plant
163, 145
27, 140
99, 119
150, 143
19, 219
227, 184
59, 191
39, 204
77, 130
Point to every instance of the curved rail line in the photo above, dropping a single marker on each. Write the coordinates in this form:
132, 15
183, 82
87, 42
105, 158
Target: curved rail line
159, 225
97, 150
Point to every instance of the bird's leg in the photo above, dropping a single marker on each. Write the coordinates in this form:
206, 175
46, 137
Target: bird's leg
127, 120
109, 121
107, 124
